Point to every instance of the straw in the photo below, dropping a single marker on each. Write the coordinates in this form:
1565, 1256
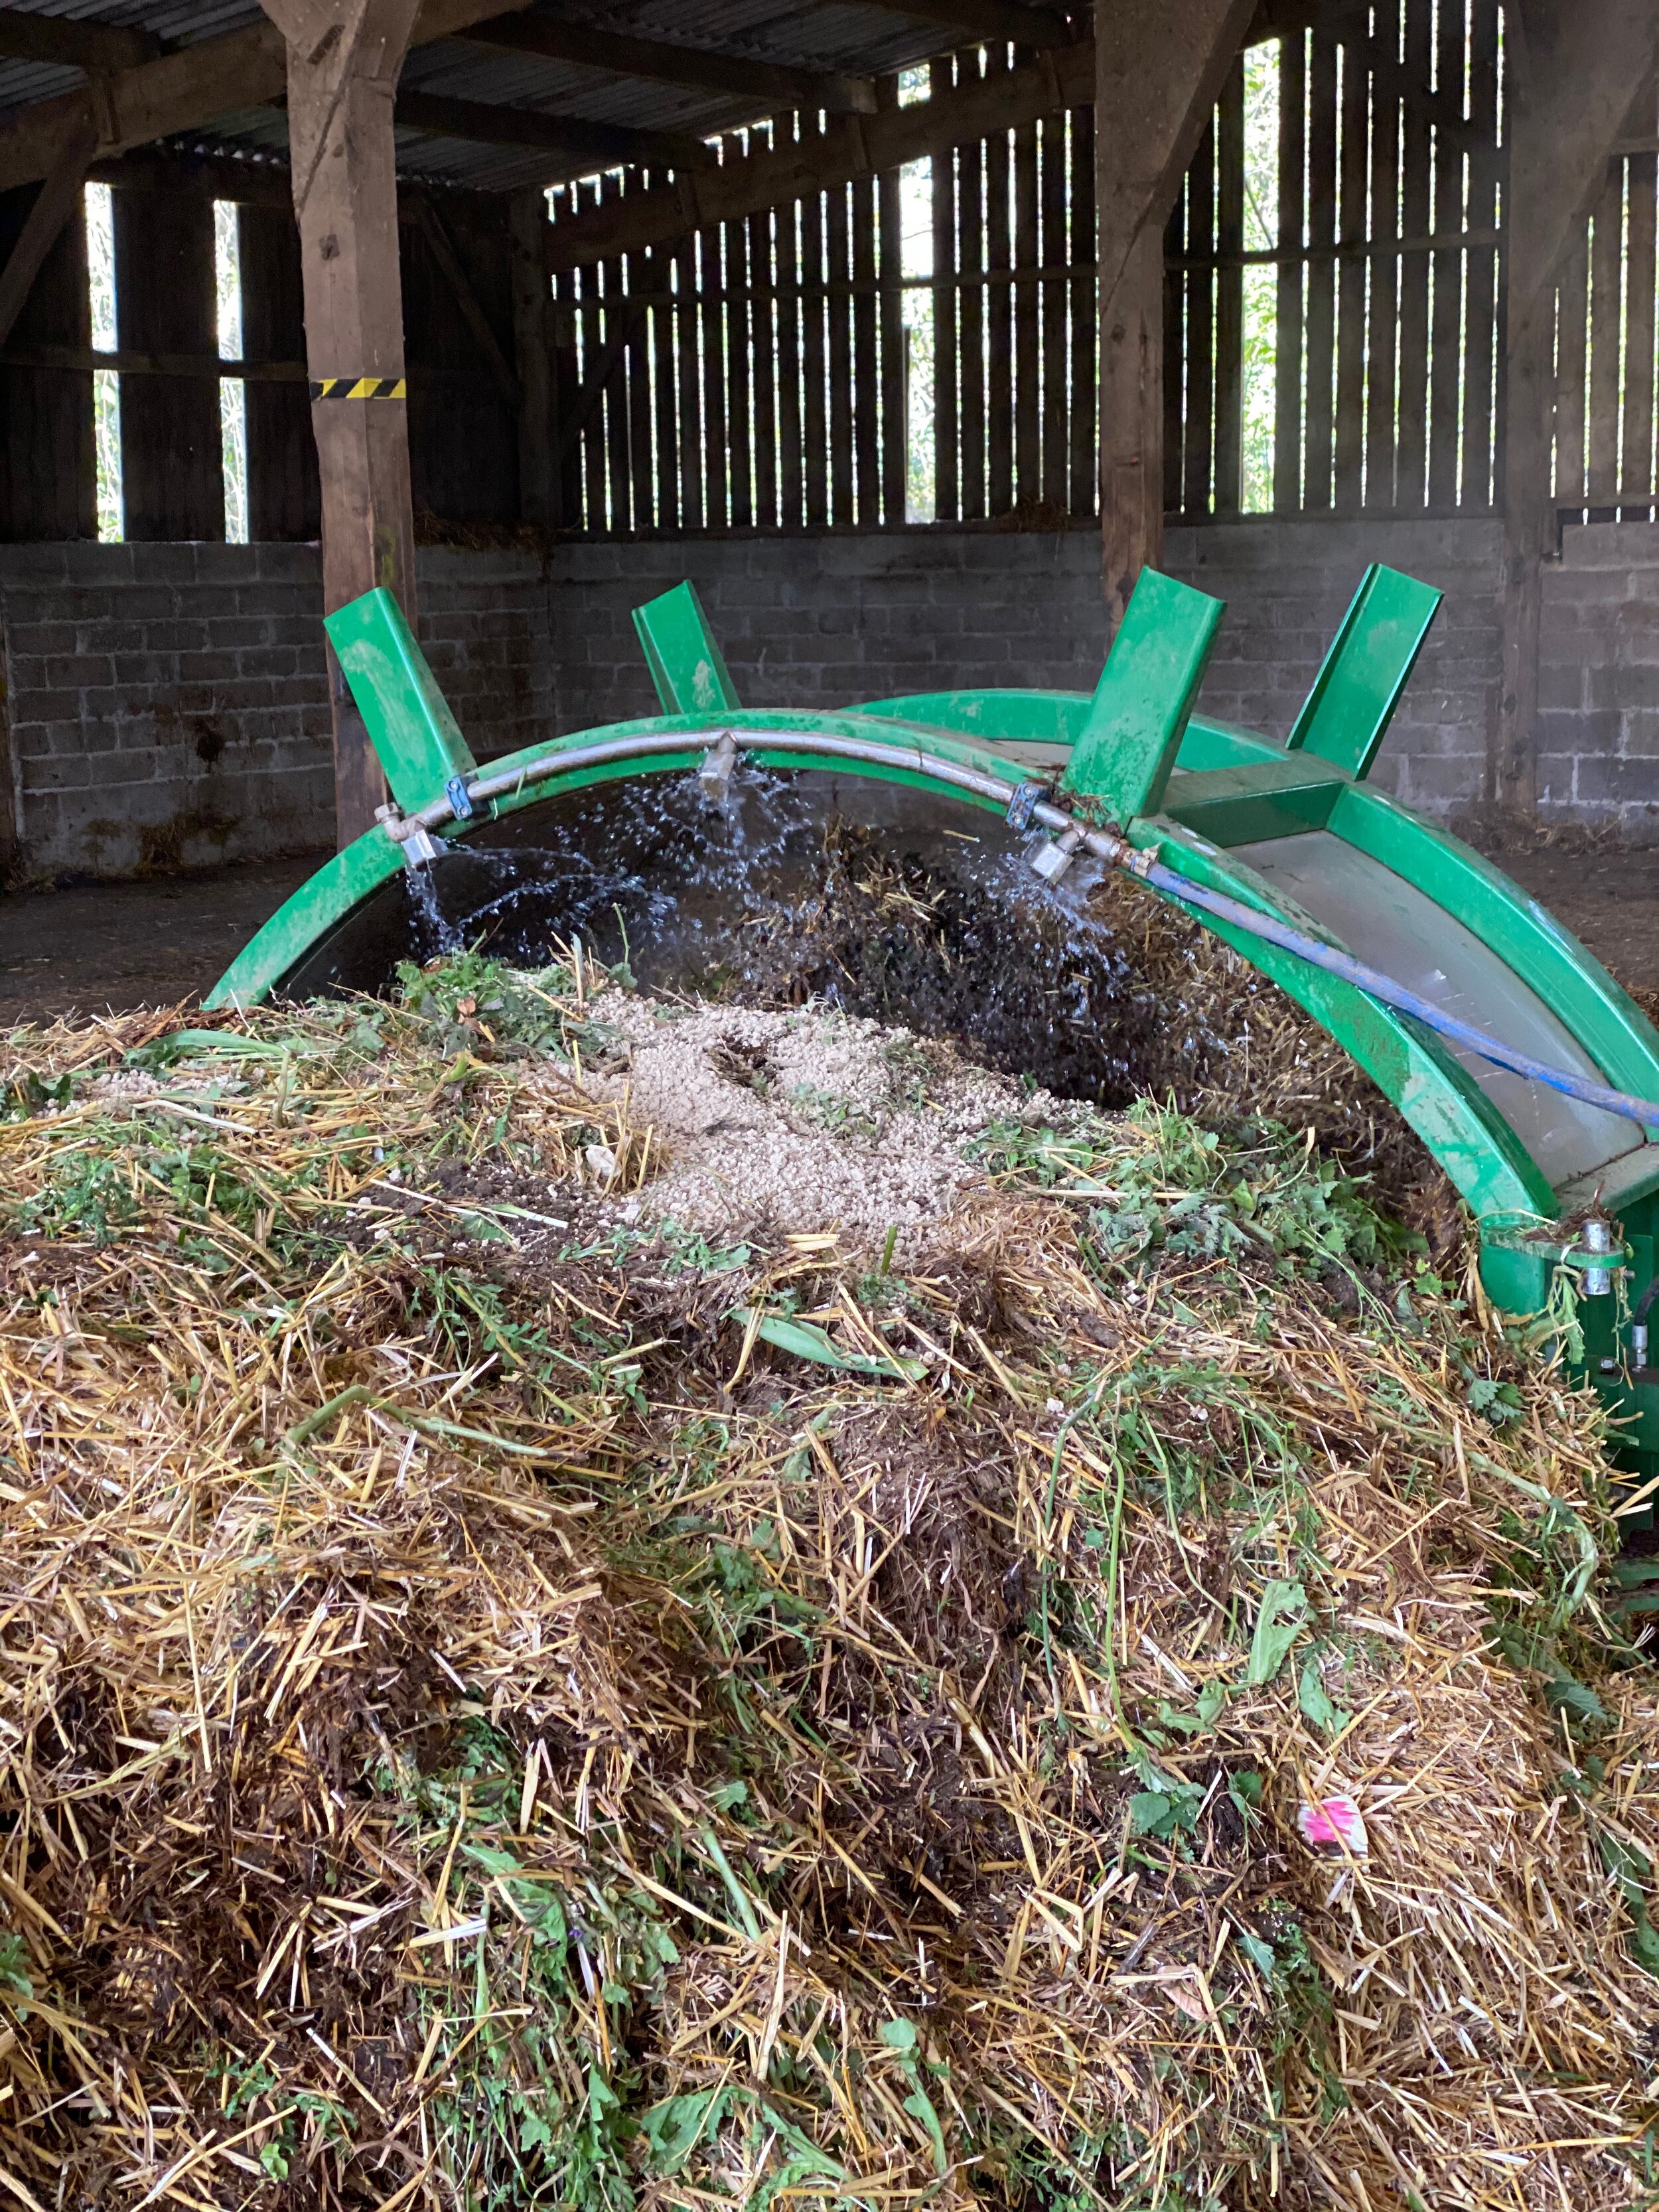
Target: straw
466, 1744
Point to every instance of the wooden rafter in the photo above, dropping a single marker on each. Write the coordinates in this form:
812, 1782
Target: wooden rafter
770, 85
990, 19
101, 49
54, 204
187, 89
852, 146
265, 183
586, 145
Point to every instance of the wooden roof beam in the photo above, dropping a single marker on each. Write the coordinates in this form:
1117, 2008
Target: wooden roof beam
268, 184
772, 86
997, 21
852, 146
588, 145
54, 204
189, 89
98, 48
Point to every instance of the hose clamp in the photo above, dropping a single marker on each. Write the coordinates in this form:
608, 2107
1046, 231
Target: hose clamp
459, 798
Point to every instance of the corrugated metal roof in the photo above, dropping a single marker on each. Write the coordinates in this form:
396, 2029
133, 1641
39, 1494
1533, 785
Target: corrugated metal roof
842, 35
186, 21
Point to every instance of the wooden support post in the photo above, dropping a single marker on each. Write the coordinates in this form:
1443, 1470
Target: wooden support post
1132, 423
343, 59
1159, 66
54, 204
532, 347
1528, 530
1574, 69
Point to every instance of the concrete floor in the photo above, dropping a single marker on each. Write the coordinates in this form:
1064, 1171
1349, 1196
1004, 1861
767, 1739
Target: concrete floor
120, 946
104, 945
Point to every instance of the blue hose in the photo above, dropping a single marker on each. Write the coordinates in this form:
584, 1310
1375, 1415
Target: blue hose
1383, 987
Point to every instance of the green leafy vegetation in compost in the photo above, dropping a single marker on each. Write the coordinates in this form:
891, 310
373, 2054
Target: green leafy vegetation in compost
515, 1700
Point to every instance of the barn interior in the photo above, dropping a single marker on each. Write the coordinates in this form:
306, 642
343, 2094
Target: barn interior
868, 1416
858, 316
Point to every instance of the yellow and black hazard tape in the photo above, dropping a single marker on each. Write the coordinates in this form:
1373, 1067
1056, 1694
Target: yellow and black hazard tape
358, 387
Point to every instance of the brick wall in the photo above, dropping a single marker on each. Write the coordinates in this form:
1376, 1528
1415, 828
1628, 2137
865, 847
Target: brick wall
165, 706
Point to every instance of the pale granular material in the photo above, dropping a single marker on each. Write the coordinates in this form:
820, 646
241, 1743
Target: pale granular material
804, 1120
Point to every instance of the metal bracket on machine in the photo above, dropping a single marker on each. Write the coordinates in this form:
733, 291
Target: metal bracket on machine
1590, 1248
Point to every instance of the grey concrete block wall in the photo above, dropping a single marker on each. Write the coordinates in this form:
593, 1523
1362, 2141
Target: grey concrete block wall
1287, 585
823, 621
820, 620
1598, 677
484, 627
166, 706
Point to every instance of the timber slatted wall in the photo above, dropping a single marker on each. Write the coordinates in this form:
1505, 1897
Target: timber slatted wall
464, 420
172, 452
762, 374
462, 413
1605, 343
776, 375
1374, 163
47, 468
1333, 317
1015, 335
751, 376
285, 493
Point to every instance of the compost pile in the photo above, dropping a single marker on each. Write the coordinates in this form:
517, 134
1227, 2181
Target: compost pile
1117, 1695
1105, 992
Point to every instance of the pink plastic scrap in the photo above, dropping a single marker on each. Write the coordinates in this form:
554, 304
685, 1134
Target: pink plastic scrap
1334, 1826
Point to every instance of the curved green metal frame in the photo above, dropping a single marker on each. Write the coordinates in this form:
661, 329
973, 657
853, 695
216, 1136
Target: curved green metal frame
1443, 1103
1618, 1037
1171, 777
1200, 792
1603, 1017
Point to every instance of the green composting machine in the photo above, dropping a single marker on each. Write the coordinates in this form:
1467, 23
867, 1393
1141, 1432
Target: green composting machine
1521, 1064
